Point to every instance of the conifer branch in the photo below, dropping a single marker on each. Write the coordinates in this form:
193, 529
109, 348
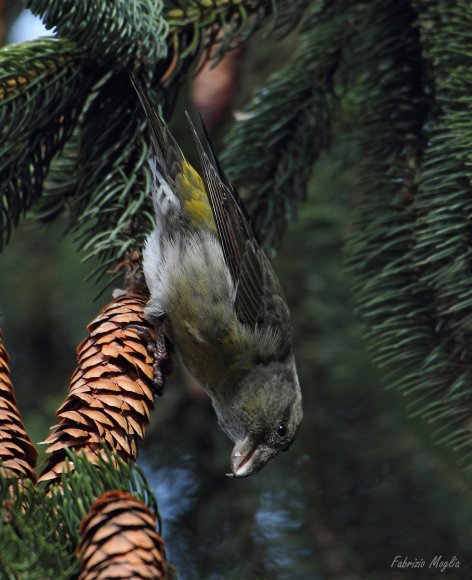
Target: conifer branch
287, 125
224, 25
34, 537
442, 250
40, 526
389, 299
88, 480
409, 251
115, 34
112, 202
43, 86
60, 182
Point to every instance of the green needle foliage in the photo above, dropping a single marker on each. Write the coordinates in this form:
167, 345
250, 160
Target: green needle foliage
225, 24
35, 542
116, 34
411, 248
287, 125
112, 191
43, 86
82, 486
393, 105
39, 528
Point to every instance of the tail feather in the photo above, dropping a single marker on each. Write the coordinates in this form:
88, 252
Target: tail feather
179, 193
168, 153
166, 161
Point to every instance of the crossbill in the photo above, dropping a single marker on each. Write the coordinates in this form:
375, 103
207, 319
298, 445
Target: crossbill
218, 298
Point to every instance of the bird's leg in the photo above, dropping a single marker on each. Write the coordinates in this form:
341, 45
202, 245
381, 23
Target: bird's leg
159, 349
163, 363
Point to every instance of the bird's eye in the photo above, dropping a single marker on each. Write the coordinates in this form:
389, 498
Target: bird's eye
281, 430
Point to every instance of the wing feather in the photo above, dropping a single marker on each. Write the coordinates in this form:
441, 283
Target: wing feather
259, 298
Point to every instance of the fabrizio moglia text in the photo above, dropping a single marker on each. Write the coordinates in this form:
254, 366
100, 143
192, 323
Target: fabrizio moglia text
437, 562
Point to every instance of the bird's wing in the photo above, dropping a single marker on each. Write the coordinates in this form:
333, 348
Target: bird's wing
259, 298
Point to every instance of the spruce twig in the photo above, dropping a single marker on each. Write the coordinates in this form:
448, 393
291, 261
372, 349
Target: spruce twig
43, 87
410, 246
272, 148
115, 34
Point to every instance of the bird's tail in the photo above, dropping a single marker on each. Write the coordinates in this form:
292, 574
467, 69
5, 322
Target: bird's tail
169, 156
179, 193
166, 161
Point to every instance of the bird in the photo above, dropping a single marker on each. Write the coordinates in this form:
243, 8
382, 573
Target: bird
216, 295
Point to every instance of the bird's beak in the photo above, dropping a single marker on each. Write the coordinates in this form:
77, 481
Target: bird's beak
248, 457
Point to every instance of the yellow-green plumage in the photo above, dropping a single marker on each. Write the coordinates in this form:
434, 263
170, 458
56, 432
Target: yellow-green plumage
195, 204
216, 345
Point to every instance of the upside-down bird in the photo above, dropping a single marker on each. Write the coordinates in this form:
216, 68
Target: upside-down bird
219, 300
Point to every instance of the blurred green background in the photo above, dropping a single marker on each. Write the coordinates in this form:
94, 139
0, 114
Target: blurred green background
362, 483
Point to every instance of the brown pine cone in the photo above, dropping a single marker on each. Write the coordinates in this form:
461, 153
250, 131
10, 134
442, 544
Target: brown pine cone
112, 391
17, 452
119, 540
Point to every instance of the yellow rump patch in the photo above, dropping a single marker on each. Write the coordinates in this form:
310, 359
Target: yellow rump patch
195, 200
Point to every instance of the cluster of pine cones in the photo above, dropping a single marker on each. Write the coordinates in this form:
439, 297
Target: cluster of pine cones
111, 396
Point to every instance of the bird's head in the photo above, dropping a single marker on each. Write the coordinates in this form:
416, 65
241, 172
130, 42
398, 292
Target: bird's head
263, 417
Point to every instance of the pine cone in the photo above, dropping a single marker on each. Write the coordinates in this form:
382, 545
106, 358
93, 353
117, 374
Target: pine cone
112, 391
119, 540
17, 452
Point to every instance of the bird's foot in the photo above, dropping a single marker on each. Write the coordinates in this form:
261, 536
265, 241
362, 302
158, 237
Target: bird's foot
159, 350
